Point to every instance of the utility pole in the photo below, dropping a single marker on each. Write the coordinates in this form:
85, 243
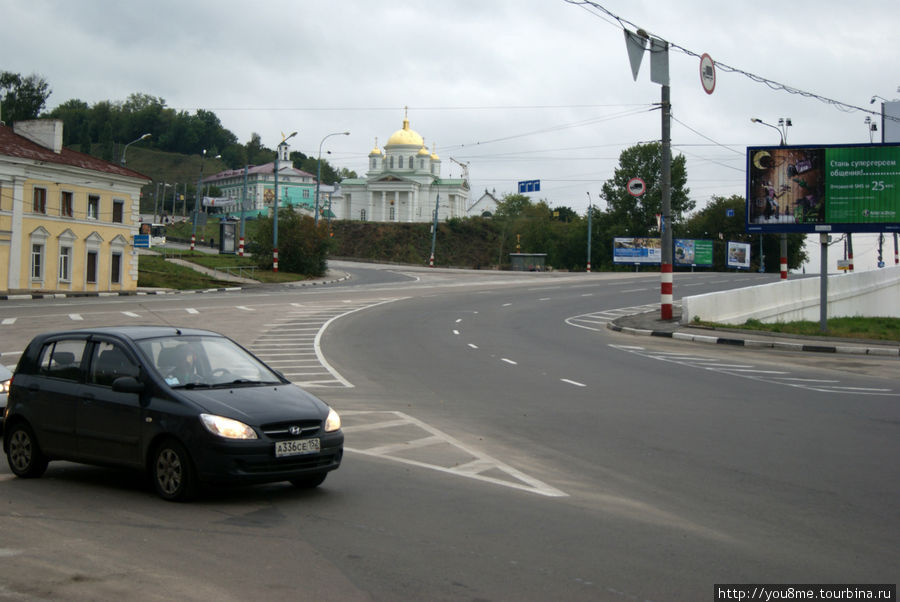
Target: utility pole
636, 43
434, 226
590, 219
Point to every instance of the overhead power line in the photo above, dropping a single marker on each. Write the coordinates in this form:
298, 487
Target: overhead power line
625, 24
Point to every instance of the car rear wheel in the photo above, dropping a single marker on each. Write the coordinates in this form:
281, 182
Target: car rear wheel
25, 457
310, 481
172, 472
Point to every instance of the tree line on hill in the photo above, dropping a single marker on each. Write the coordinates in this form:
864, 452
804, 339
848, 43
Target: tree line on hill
107, 126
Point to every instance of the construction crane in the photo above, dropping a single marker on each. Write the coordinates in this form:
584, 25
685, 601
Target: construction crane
465, 171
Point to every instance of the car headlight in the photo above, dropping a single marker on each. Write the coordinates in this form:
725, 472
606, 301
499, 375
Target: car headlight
333, 422
226, 427
4, 386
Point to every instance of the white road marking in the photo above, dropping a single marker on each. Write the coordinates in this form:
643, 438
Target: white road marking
131, 314
473, 346
244, 308
478, 466
8, 321
456, 332
76, 317
508, 361
191, 310
573, 382
506, 305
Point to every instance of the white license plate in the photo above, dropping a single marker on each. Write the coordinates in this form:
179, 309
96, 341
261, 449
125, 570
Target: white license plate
296, 447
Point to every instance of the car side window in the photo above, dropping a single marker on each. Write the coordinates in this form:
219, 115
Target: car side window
62, 359
109, 362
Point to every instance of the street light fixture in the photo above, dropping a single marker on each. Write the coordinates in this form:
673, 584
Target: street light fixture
319, 169
284, 139
783, 124
872, 127
124, 150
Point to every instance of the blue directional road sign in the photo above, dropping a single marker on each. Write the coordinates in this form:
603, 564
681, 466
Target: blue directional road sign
142, 241
529, 186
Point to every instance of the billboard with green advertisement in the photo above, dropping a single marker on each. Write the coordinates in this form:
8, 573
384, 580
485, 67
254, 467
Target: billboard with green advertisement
849, 188
690, 252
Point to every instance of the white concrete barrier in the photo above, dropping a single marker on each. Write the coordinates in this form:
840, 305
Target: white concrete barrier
874, 293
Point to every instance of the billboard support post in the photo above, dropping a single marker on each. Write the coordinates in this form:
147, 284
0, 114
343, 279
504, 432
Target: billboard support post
823, 282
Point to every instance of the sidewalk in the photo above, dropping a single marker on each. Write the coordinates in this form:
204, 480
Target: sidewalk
650, 324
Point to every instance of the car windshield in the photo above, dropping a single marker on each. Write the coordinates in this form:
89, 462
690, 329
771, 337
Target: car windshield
205, 361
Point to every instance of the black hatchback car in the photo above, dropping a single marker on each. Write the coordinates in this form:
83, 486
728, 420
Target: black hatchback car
188, 406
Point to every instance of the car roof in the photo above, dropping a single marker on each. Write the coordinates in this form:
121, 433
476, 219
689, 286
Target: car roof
134, 333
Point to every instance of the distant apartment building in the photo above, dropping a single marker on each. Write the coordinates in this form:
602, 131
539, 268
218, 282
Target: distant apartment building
67, 219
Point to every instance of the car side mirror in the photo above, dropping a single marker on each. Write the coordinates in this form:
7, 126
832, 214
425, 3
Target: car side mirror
127, 384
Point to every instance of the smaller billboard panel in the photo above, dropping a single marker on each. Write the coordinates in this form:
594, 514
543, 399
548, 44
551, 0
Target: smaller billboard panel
738, 255
690, 252
637, 250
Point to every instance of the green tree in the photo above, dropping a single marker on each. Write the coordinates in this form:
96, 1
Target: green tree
22, 98
257, 154
75, 117
636, 216
302, 247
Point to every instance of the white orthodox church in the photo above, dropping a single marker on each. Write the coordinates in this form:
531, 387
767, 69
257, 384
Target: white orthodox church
403, 184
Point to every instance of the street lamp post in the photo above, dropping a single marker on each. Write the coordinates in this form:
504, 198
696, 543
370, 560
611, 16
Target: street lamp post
124, 150
319, 169
284, 139
783, 124
197, 202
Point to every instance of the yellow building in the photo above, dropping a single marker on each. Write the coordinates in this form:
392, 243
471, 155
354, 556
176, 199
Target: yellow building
67, 220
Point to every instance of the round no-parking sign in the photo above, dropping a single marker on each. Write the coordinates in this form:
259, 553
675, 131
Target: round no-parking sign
636, 187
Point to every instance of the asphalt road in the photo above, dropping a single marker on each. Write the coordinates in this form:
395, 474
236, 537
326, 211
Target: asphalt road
497, 450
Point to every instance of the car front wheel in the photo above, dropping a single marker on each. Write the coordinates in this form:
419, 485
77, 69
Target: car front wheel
25, 457
172, 472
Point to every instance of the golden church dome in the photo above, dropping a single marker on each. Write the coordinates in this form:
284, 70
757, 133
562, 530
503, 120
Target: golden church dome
376, 150
405, 137
423, 152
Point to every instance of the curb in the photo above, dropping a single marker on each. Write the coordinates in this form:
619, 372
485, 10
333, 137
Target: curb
882, 351
227, 289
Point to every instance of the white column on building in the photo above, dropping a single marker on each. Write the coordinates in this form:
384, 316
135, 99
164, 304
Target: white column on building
16, 238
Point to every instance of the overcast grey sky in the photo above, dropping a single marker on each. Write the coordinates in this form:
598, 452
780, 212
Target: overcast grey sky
519, 89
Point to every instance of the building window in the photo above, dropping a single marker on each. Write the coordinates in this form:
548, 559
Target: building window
392, 162
93, 209
410, 162
362, 215
91, 267
37, 262
65, 264
40, 200
115, 269
306, 194
392, 213
66, 204
119, 211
